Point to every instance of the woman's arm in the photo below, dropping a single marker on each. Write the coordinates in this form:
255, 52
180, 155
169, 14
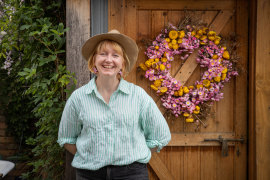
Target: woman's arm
71, 148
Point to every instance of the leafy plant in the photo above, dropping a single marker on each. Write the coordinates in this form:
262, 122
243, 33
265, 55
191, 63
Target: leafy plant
34, 79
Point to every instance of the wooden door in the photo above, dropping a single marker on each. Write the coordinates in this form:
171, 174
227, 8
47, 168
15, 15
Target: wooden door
187, 156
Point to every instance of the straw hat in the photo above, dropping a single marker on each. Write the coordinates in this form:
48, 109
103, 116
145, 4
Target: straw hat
128, 44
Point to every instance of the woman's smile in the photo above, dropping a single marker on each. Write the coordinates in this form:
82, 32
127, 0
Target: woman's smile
108, 62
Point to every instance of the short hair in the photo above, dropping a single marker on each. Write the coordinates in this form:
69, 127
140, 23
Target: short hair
101, 46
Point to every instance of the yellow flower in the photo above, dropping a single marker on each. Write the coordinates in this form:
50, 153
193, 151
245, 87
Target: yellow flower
151, 60
223, 76
163, 89
196, 112
148, 63
197, 108
211, 33
189, 120
205, 29
191, 87
202, 43
173, 34
193, 33
217, 79
197, 36
157, 82
174, 41
164, 59
211, 38
143, 67
156, 60
162, 67
154, 87
224, 47
156, 66
170, 45
180, 92
206, 83
224, 70
203, 37
200, 32
215, 56
175, 46
186, 114
181, 34
217, 42
226, 55
168, 40
175, 93
199, 86
218, 38
185, 89
180, 41
156, 47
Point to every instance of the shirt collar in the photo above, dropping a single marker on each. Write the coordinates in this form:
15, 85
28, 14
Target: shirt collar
123, 86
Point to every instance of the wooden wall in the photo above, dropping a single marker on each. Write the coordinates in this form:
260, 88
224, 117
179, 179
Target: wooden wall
259, 131
78, 20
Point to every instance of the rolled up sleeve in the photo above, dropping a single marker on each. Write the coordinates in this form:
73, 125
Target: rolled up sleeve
70, 126
154, 125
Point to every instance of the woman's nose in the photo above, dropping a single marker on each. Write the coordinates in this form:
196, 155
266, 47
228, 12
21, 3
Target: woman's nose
109, 57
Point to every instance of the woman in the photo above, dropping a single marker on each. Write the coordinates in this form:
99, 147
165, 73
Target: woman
111, 125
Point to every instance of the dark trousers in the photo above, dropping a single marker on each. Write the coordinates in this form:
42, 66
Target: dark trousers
134, 171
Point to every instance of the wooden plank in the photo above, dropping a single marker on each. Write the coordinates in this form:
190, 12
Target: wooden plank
192, 163
197, 139
225, 111
130, 27
187, 5
252, 92
116, 15
190, 65
78, 22
175, 161
224, 166
241, 97
208, 163
262, 90
160, 169
144, 26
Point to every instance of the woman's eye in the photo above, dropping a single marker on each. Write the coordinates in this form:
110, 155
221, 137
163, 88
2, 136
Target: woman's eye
115, 55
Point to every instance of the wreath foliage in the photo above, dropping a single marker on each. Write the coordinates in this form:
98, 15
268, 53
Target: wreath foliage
213, 57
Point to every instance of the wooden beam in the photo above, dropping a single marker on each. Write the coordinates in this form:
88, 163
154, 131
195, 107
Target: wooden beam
160, 169
190, 64
197, 139
262, 94
181, 5
78, 22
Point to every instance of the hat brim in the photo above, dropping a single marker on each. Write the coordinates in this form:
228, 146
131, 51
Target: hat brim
128, 44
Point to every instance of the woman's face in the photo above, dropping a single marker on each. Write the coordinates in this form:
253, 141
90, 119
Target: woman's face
108, 61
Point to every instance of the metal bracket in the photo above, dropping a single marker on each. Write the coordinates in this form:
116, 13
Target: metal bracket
224, 143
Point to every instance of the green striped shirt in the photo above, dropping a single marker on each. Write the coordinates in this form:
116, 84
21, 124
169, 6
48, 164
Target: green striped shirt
117, 133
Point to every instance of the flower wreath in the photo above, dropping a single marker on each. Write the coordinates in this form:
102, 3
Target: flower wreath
188, 100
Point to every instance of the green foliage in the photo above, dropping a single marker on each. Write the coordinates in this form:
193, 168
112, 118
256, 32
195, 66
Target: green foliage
34, 78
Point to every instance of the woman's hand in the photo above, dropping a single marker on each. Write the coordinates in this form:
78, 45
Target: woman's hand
153, 150
71, 148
